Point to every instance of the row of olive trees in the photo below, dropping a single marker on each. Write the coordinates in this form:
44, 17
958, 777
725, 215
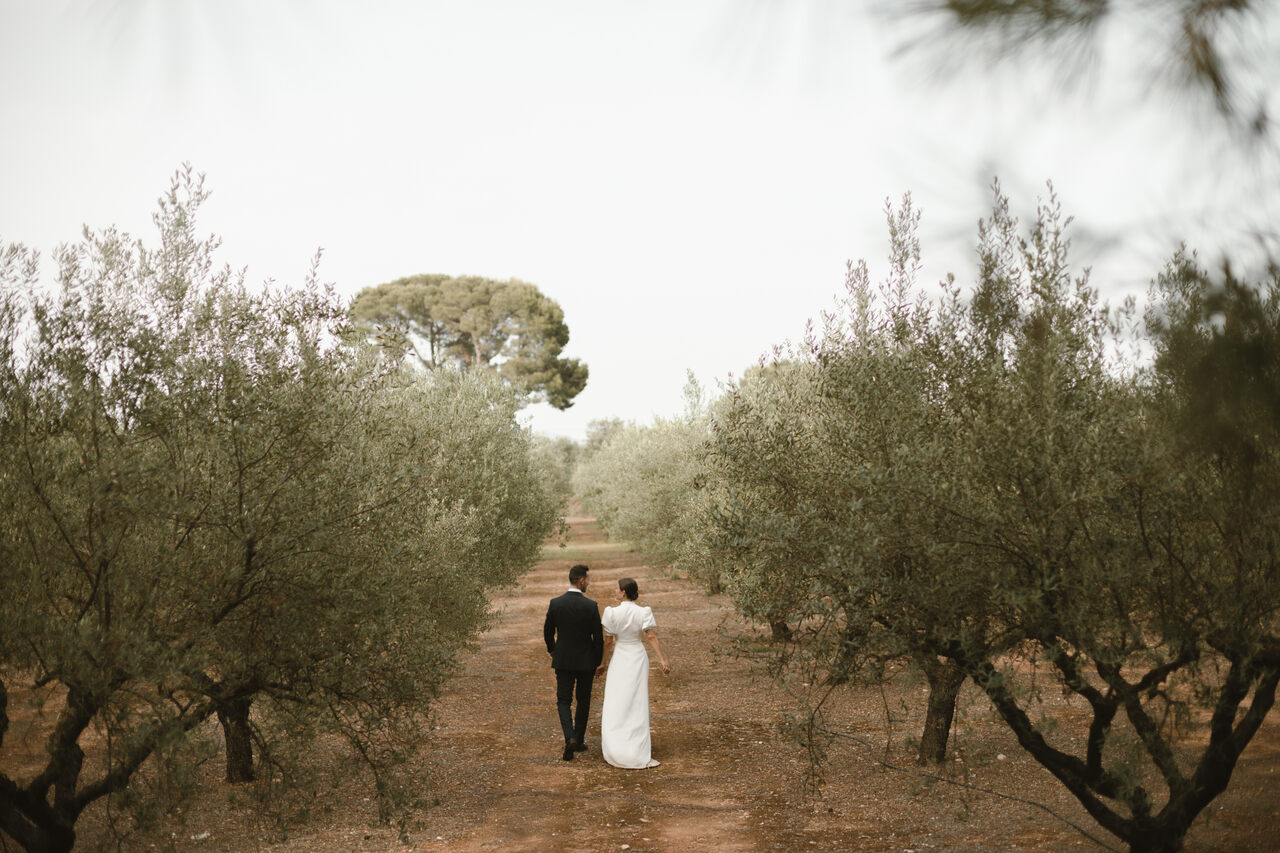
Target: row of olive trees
639, 481
219, 504
992, 485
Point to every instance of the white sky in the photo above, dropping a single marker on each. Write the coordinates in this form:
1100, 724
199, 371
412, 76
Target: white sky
685, 177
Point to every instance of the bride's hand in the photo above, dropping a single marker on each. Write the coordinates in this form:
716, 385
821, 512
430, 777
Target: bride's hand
666, 668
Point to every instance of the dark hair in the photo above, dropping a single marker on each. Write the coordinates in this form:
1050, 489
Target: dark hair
577, 573
629, 587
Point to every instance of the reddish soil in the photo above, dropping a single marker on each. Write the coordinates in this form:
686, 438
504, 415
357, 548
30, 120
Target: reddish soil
731, 778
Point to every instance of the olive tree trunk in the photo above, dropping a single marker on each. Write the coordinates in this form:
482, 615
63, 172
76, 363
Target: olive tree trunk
234, 717
945, 678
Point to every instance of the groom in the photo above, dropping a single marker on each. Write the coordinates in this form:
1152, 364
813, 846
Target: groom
575, 641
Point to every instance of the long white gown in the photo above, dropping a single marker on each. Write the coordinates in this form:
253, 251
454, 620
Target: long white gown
624, 718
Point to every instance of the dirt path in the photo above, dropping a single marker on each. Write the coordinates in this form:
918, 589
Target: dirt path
730, 778
725, 774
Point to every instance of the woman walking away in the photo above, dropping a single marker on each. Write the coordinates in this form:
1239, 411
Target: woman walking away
624, 719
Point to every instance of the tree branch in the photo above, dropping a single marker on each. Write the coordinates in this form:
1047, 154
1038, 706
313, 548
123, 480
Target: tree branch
118, 777
1071, 771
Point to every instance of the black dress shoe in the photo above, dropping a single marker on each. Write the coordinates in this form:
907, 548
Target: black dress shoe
580, 746
568, 752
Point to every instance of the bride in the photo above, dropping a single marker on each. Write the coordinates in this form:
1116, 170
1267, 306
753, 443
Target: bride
624, 718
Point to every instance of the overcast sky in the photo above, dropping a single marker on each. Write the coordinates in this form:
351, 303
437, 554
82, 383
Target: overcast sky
685, 177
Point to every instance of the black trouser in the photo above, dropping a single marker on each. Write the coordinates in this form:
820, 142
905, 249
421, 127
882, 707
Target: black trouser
568, 683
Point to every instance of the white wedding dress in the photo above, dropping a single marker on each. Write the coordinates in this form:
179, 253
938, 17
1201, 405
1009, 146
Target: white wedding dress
624, 718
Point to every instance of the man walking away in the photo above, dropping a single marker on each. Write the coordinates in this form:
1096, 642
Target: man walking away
575, 642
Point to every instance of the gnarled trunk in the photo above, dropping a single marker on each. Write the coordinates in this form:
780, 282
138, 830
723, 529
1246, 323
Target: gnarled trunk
233, 714
945, 678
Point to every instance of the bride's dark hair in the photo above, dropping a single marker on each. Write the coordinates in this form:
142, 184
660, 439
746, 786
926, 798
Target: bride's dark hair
629, 588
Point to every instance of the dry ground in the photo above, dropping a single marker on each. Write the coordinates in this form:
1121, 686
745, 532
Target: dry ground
730, 779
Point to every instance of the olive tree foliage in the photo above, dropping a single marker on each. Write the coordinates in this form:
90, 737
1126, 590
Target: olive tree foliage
982, 482
509, 327
756, 521
216, 504
808, 458
599, 431
641, 481
556, 458
1222, 50
1125, 550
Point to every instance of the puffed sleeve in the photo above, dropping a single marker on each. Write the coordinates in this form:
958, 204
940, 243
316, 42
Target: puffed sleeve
609, 621
648, 620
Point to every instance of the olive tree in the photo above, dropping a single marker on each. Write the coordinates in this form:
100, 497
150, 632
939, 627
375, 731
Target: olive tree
1119, 548
640, 482
639, 486
810, 464
758, 523
986, 482
217, 504
557, 458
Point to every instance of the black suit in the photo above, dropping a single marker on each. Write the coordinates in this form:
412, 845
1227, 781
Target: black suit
575, 641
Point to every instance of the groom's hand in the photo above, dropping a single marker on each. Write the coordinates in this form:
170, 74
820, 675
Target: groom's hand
600, 669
